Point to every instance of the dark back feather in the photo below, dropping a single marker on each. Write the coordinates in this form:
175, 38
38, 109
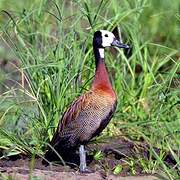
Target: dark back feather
85, 118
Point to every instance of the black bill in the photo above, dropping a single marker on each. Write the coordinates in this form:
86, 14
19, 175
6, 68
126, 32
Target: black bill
119, 44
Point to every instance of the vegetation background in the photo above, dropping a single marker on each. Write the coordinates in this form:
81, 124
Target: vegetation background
46, 61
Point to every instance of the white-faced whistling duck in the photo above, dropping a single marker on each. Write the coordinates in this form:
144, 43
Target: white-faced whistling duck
90, 113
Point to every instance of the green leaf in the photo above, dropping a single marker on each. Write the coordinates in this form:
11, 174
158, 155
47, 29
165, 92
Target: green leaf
98, 155
117, 170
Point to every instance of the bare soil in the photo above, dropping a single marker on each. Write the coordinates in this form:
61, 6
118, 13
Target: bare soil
115, 151
19, 170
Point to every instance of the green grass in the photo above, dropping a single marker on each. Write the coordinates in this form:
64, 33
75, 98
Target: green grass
53, 42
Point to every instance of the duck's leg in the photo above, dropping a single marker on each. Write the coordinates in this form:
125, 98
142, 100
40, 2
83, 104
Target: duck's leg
82, 154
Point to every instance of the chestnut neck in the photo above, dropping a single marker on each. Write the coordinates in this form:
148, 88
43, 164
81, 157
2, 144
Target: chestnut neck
101, 80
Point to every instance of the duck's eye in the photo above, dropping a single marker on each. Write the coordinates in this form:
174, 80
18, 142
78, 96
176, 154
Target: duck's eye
106, 35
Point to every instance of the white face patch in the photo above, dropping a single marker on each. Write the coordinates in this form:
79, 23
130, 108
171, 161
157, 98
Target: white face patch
107, 38
101, 52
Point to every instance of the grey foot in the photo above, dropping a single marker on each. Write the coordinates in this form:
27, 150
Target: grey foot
83, 167
86, 170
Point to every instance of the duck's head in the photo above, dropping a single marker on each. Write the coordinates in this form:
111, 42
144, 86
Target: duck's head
104, 38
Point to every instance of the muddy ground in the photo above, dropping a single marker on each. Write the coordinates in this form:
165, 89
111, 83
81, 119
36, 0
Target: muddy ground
115, 151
